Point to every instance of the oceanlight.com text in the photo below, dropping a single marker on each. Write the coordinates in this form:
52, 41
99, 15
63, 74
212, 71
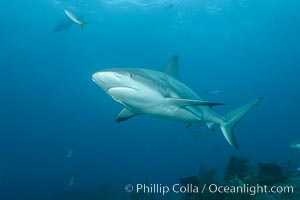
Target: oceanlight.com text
248, 189
210, 188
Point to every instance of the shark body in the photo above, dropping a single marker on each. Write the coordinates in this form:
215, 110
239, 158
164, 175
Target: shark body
295, 145
161, 94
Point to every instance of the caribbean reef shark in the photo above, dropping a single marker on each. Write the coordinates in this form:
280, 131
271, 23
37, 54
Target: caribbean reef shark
162, 94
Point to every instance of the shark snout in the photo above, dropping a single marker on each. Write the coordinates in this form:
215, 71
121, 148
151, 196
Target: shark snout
102, 76
107, 79
101, 79
94, 77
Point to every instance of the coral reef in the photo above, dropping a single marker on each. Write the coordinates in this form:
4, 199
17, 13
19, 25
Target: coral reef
207, 176
237, 166
270, 173
240, 173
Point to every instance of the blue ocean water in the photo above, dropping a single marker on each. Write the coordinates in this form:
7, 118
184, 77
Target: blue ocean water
49, 104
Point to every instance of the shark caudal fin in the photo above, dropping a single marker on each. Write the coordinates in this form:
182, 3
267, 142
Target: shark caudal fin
232, 118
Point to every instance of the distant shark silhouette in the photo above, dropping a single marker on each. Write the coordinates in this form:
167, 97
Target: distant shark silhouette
161, 94
63, 25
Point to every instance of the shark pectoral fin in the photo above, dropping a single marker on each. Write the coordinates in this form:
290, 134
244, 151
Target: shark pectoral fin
125, 114
172, 67
191, 102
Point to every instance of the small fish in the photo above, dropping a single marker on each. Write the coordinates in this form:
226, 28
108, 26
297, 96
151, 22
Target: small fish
74, 18
69, 153
71, 182
209, 92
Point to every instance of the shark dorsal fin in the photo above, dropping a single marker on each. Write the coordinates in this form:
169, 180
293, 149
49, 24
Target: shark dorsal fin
125, 114
172, 67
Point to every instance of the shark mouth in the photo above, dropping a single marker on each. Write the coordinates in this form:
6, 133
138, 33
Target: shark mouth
121, 89
120, 94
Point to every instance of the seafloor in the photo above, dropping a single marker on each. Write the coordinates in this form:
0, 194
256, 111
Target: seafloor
240, 171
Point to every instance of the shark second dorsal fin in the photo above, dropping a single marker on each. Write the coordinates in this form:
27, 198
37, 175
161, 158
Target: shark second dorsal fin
172, 67
125, 114
191, 102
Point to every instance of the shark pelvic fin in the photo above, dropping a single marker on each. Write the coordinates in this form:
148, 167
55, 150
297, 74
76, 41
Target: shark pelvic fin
191, 102
172, 67
210, 126
125, 114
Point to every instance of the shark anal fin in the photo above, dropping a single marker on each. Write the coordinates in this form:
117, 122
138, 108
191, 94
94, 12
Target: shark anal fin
172, 67
191, 102
125, 114
188, 124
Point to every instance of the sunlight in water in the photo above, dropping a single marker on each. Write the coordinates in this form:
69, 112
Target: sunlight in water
142, 3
